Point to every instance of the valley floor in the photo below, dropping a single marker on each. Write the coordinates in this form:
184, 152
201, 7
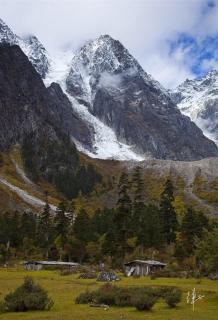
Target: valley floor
64, 289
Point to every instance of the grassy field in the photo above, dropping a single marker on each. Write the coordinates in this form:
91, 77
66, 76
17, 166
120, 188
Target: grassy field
64, 289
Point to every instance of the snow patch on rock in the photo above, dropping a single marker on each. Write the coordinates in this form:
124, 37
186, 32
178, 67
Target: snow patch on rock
198, 99
106, 144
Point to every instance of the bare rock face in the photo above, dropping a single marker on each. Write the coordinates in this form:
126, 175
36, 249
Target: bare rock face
68, 121
115, 89
27, 106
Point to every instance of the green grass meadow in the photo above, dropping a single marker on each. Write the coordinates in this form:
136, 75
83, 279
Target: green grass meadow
64, 289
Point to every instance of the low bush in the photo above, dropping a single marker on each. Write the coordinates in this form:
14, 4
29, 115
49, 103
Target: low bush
144, 301
123, 297
162, 291
86, 297
173, 297
142, 298
107, 294
28, 296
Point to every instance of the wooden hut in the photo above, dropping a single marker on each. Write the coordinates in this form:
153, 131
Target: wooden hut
142, 267
38, 265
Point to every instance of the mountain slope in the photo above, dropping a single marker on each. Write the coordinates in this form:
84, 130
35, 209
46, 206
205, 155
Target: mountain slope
105, 144
111, 84
199, 100
30, 45
41, 120
26, 105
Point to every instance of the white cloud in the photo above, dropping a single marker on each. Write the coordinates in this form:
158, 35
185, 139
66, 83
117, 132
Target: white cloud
209, 64
168, 70
109, 80
143, 26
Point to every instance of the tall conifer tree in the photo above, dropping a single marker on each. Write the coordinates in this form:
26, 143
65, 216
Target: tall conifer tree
138, 207
122, 216
44, 229
168, 213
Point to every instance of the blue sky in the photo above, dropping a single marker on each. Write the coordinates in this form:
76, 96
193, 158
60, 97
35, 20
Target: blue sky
201, 55
172, 39
200, 51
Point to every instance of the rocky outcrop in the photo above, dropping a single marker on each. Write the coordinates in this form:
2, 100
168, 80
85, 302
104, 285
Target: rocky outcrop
112, 85
67, 119
26, 105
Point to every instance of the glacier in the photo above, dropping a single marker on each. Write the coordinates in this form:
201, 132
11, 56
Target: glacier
106, 144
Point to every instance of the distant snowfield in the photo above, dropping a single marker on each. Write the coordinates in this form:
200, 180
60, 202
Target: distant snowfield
197, 95
106, 144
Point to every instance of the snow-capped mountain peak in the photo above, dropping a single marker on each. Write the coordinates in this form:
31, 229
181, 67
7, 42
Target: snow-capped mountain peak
121, 111
102, 58
109, 84
30, 45
198, 99
6, 34
36, 53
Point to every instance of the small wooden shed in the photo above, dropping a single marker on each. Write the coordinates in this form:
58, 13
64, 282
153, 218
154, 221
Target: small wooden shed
38, 265
142, 267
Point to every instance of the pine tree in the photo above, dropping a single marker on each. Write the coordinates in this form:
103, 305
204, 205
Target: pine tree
102, 221
207, 251
192, 226
82, 227
138, 206
149, 232
61, 226
168, 213
137, 184
109, 245
122, 216
44, 229
71, 209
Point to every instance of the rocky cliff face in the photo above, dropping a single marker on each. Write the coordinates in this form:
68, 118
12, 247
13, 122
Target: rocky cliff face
112, 85
26, 105
199, 100
30, 45
68, 121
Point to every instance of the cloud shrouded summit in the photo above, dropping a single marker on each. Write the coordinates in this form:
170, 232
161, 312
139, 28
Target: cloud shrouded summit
152, 30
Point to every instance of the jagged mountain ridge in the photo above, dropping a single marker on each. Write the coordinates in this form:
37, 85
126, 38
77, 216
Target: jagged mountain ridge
112, 85
127, 114
56, 69
30, 45
198, 99
98, 57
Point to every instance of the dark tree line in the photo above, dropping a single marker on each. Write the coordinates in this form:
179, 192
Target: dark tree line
131, 228
59, 164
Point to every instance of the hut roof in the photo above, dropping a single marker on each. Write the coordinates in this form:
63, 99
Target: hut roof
52, 263
147, 262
